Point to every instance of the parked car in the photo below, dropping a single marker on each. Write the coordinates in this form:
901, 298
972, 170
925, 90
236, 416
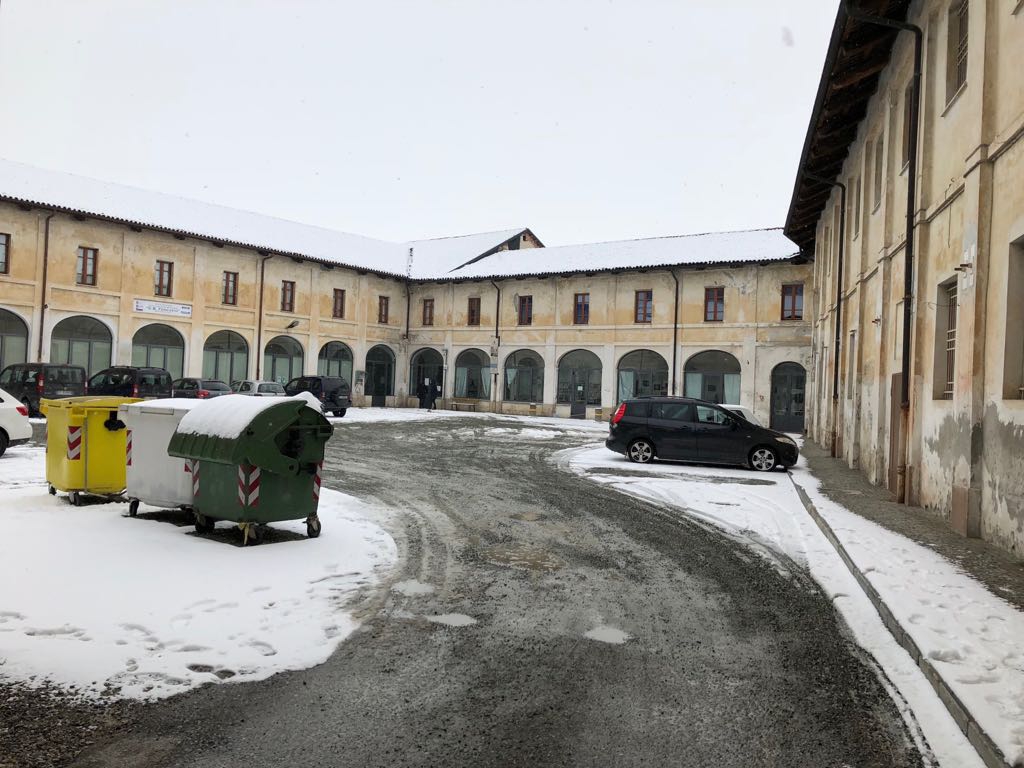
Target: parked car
14, 426
129, 381
683, 429
744, 413
258, 388
333, 392
28, 382
201, 389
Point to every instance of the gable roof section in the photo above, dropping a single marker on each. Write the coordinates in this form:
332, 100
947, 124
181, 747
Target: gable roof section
431, 258
857, 54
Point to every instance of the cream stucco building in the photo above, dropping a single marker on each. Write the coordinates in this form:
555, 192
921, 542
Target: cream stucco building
942, 427
98, 274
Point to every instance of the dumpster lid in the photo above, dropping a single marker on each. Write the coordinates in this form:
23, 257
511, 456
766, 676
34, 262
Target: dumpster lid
87, 402
228, 416
164, 406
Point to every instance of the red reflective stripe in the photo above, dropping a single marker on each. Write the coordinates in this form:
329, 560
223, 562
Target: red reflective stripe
128, 448
316, 481
74, 443
248, 485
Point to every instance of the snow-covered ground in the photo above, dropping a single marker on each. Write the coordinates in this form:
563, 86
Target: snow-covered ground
143, 608
391, 415
763, 511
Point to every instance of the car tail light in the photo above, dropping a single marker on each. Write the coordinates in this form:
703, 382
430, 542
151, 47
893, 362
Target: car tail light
203, 393
135, 389
22, 410
619, 414
39, 383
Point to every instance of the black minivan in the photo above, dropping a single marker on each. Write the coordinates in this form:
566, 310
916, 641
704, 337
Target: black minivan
28, 382
129, 381
334, 392
683, 429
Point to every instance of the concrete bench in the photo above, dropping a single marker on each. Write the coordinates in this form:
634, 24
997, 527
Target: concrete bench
464, 405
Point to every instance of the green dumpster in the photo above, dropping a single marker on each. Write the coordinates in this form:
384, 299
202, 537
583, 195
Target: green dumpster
253, 461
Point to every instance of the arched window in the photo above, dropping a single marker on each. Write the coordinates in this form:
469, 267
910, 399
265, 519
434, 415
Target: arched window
524, 377
473, 375
425, 367
13, 339
159, 346
335, 359
282, 359
713, 376
642, 373
226, 357
380, 372
579, 378
83, 341
789, 381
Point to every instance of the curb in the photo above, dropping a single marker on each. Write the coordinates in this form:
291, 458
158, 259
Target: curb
987, 750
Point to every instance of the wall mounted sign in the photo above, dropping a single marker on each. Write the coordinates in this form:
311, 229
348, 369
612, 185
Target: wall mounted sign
163, 308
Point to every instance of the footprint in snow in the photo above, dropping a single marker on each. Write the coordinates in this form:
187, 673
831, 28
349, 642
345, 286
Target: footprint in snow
265, 649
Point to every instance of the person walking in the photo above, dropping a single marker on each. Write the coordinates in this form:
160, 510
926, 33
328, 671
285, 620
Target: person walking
422, 392
434, 391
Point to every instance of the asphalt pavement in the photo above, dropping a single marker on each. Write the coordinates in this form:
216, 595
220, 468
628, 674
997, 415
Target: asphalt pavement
538, 619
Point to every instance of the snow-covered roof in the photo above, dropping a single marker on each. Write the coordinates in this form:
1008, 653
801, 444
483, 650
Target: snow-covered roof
130, 205
745, 246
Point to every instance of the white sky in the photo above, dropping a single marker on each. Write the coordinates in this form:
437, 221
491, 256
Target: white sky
584, 120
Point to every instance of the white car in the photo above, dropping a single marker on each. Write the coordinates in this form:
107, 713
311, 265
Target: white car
257, 388
14, 426
744, 413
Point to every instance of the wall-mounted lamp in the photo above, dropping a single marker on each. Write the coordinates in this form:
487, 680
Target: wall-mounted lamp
292, 324
963, 267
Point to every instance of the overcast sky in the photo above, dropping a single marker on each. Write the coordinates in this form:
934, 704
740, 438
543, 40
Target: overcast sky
584, 120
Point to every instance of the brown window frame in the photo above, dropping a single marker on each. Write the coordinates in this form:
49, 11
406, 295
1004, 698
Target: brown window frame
524, 310
383, 309
229, 288
473, 311
643, 306
86, 257
956, 48
581, 309
338, 306
5, 253
428, 312
161, 270
794, 312
713, 296
287, 295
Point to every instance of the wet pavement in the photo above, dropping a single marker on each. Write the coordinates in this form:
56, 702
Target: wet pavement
539, 619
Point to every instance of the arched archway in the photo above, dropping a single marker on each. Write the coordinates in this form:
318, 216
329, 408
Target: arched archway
642, 373
788, 383
473, 375
579, 378
81, 340
524, 377
13, 339
713, 376
282, 359
426, 366
226, 357
380, 374
335, 359
159, 346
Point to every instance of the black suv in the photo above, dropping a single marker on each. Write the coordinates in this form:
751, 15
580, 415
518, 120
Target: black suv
28, 382
200, 389
128, 381
679, 428
333, 392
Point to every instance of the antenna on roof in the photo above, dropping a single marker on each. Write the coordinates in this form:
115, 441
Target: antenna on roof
408, 264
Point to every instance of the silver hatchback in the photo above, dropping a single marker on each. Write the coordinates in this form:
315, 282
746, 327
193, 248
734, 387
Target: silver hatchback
257, 388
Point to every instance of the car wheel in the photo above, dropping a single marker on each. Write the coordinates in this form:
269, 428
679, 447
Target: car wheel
340, 413
640, 451
763, 459
4, 440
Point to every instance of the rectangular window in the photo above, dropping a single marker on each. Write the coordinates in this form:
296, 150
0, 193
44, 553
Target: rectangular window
793, 302
383, 304
714, 304
581, 309
525, 310
338, 308
428, 311
1013, 357
945, 340
287, 295
876, 179
644, 306
163, 278
956, 49
229, 294
85, 267
851, 365
5, 251
908, 98
473, 312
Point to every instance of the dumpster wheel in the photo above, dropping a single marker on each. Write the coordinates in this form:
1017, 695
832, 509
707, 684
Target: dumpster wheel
133, 508
252, 533
312, 526
75, 498
52, 491
204, 524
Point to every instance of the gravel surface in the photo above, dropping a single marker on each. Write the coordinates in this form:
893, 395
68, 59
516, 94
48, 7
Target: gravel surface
538, 619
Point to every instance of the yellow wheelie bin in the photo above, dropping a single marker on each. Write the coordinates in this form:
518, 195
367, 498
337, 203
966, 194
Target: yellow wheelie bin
85, 446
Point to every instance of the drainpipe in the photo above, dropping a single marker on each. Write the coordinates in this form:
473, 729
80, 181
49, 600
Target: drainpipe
259, 315
42, 306
908, 248
675, 331
408, 298
497, 314
497, 343
840, 263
